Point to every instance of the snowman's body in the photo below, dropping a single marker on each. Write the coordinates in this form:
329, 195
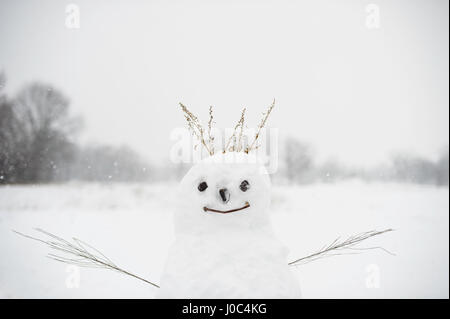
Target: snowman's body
219, 251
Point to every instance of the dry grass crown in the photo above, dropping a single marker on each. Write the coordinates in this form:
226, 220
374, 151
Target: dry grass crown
235, 142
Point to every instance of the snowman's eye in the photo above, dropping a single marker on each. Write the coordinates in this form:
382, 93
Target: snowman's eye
202, 186
244, 186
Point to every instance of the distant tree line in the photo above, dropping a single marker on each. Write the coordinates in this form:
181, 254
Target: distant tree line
299, 166
38, 145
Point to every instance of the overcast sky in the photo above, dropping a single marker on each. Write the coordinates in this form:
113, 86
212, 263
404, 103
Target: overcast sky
355, 93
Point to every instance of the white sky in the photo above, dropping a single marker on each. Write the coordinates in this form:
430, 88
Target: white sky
354, 93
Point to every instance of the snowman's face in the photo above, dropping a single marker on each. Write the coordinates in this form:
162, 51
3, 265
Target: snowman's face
225, 190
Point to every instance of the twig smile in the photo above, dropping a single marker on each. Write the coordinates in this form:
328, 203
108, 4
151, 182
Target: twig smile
206, 209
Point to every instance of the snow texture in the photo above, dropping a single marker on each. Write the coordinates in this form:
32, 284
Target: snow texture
132, 224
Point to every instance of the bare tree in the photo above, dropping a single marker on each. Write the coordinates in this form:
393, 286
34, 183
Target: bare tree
37, 143
12, 141
36, 130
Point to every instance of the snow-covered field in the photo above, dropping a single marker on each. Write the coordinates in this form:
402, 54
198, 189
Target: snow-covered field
131, 224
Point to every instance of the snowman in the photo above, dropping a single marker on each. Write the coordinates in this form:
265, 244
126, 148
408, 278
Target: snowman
224, 243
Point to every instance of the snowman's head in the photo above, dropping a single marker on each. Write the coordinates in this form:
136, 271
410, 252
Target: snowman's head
222, 192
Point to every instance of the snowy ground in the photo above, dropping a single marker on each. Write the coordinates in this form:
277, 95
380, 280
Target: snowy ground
131, 224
